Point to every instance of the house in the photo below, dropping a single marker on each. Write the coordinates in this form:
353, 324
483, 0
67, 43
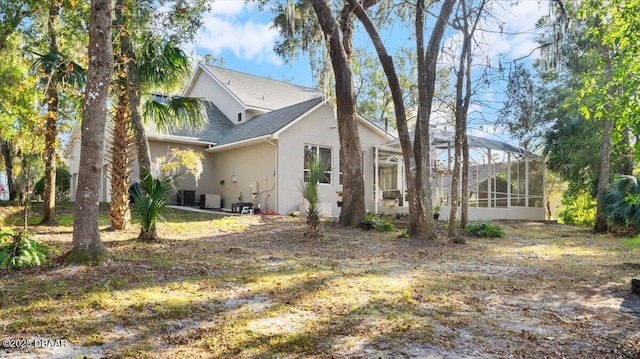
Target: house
255, 142
261, 133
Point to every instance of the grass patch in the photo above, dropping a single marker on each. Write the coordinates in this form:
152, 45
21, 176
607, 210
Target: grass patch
631, 242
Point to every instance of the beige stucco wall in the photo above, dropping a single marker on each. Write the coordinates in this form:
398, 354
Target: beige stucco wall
185, 181
250, 164
319, 128
206, 87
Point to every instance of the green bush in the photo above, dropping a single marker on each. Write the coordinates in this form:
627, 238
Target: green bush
63, 184
579, 209
318, 166
20, 251
381, 223
150, 203
623, 201
483, 229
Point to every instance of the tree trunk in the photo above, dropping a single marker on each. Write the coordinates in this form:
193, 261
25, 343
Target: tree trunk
7, 154
120, 213
420, 222
120, 145
459, 134
133, 91
600, 225
51, 135
454, 202
427, 61
464, 210
86, 243
388, 66
353, 205
51, 124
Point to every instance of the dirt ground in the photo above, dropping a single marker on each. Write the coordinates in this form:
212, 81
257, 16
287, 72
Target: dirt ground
254, 287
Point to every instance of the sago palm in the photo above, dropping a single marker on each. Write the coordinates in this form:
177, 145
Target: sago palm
318, 166
149, 203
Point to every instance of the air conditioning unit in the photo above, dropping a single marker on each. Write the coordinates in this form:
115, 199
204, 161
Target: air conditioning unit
210, 201
186, 198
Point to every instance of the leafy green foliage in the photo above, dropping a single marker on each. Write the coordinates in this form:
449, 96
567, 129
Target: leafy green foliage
178, 160
623, 201
484, 229
63, 184
380, 222
152, 200
579, 209
18, 250
309, 191
55, 66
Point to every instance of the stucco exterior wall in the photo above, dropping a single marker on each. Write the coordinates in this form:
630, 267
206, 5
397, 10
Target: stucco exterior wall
185, 181
319, 128
247, 165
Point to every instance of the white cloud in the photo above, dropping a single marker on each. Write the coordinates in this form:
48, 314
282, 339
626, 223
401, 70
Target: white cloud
227, 8
512, 30
237, 27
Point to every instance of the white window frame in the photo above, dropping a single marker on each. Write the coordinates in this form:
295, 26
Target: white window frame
328, 180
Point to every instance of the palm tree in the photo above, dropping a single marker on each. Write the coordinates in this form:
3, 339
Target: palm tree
120, 146
308, 186
150, 201
54, 70
160, 65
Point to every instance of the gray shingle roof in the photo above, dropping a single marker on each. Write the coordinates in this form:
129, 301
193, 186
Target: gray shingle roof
222, 131
261, 92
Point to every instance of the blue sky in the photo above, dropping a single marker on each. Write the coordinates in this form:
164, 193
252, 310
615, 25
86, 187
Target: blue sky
241, 36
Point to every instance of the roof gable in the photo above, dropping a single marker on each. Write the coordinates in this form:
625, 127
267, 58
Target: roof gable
260, 92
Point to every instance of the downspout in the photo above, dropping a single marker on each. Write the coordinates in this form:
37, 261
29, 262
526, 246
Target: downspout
277, 172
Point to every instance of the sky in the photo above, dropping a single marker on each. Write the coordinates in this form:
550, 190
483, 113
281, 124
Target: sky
241, 36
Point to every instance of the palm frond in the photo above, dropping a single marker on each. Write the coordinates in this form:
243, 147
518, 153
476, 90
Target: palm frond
318, 166
152, 199
161, 63
176, 112
53, 66
623, 201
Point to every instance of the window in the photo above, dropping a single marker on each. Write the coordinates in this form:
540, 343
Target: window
312, 152
239, 116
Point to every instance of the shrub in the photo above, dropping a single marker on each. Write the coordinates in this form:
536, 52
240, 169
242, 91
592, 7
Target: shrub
623, 201
579, 209
483, 229
380, 223
150, 202
63, 184
20, 251
318, 167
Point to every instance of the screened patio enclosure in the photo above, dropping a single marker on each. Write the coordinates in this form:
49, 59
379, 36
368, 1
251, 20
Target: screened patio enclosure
505, 181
